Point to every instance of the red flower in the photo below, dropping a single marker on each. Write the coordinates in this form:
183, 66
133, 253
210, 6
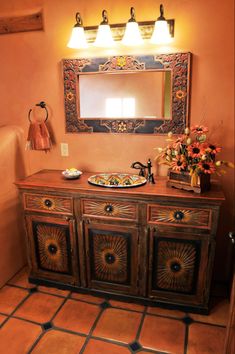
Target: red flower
178, 163
206, 167
199, 129
196, 150
213, 149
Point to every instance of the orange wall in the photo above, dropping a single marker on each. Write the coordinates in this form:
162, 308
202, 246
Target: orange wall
30, 71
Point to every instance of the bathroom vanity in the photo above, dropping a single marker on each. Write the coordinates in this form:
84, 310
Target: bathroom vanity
151, 243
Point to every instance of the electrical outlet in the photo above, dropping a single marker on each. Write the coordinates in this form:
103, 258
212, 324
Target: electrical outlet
64, 149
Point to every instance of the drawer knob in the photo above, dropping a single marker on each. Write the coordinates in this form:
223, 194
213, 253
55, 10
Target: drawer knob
48, 203
178, 215
52, 249
108, 208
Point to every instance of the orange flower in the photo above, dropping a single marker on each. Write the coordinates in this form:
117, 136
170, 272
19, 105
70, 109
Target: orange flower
196, 150
206, 167
213, 149
178, 163
199, 129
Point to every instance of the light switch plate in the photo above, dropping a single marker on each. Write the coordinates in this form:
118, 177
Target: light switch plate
64, 149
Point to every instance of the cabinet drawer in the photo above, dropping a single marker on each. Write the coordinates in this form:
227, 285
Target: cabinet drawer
179, 216
111, 209
48, 203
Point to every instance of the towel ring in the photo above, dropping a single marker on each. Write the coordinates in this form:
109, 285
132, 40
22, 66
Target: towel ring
41, 104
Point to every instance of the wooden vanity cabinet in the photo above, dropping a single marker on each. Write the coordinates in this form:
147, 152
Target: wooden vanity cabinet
151, 243
51, 235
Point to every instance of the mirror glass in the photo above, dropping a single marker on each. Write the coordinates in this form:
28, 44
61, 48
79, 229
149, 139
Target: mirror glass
145, 94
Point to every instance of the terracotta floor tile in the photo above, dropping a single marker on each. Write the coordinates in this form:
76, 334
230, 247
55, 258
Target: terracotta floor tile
39, 307
54, 291
99, 347
10, 297
57, 342
17, 337
218, 313
87, 297
127, 305
2, 318
21, 279
163, 334
77, 316
166, 312
205, 339
119, 325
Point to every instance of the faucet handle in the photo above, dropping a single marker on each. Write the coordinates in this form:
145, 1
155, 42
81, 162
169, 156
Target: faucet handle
139, 166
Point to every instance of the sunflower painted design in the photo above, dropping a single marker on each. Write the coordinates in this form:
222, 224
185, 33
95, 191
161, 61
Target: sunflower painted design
176, 266
110, 258
52, 248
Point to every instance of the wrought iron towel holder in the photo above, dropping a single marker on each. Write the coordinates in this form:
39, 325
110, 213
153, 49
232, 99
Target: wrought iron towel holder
41, 104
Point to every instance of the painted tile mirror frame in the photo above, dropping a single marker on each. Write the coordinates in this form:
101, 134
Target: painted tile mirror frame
177, 63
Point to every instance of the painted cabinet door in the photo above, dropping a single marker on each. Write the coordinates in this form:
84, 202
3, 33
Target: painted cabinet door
112, 257
178, 266
52, 248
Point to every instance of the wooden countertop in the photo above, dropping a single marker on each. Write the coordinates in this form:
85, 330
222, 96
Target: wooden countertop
51, 180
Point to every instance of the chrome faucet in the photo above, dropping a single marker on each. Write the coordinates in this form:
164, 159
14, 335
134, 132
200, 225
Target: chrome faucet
139, 166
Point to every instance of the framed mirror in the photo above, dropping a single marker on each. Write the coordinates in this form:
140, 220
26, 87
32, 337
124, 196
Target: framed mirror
127, 94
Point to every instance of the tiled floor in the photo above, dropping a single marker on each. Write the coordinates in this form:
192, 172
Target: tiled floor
43, 320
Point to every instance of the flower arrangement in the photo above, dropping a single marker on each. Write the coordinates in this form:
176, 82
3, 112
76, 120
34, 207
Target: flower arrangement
192, 153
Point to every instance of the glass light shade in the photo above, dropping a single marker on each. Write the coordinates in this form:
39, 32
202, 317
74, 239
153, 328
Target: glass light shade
104, 37
77, 39
132, 34
161, 34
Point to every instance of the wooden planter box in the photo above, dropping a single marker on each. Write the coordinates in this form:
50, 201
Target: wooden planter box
182, 180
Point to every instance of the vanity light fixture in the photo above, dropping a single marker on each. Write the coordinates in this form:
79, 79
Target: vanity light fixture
78, 38
104, 35
132, 34
161, 33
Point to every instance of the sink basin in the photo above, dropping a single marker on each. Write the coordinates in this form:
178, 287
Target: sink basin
117, 180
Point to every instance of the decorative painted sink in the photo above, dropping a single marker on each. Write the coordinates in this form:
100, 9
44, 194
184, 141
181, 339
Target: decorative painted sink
117, 180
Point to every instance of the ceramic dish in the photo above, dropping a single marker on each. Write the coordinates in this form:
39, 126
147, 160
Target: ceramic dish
117, 180
74, 174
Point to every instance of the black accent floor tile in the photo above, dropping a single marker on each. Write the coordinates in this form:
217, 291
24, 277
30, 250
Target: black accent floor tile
187, 320
47, 325
105, 305
135, 346
33, 290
